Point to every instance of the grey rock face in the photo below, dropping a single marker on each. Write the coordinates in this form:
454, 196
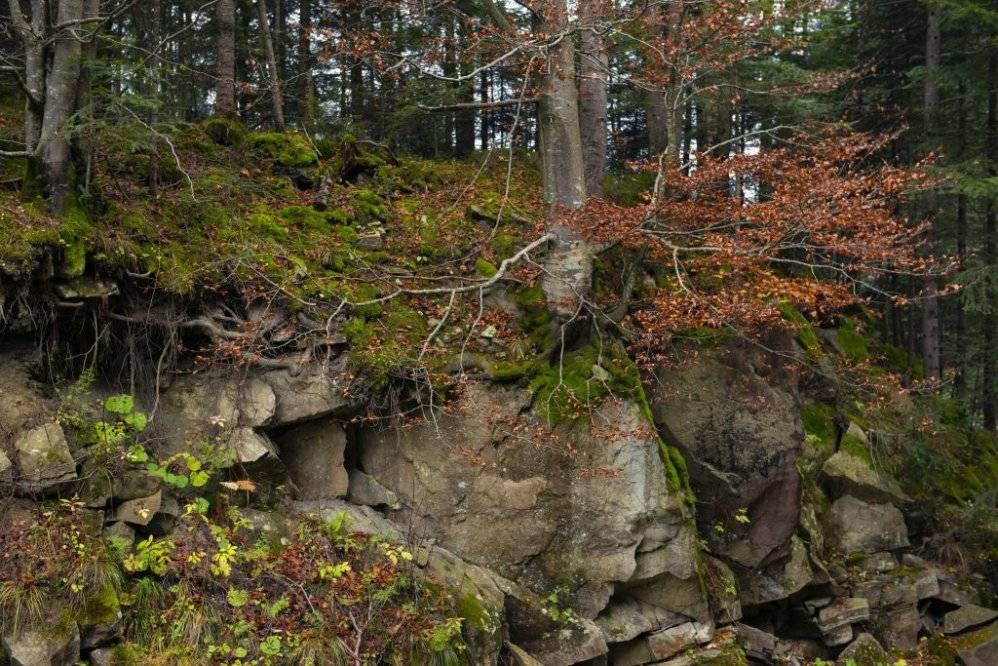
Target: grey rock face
845, 474
741, 436
984, 653
865, 651
313, 454
43, 648
626, 618
898, 626
365, 489
139, 511
758, 644
670, 642
842, 612
44, 459
201, 405
310, 395
529, 507
967, 617
778, 580
858, 527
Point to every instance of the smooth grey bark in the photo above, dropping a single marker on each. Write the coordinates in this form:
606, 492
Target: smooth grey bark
930, 307
276, 97
664, 109
225, 58
989, 388
60, 102
593, 96
32, 33
305, 62
568, 268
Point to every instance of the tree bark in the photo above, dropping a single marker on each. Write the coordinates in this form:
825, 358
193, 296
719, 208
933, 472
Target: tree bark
593, 96
276, 98
305, 62
989, 388
60, 103
568, 268
32, 33
665, 109
225, 57
930, 306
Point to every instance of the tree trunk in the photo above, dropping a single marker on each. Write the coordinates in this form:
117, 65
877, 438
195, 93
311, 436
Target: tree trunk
486, 117
568, 268
665, 109
225, 56
593, 96
989, 389
930, 307
305, 62
60, 103
960, 333
33, 35
276, 97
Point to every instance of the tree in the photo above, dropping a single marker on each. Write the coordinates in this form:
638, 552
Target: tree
225, 58
594, 66
276, 97
930, 307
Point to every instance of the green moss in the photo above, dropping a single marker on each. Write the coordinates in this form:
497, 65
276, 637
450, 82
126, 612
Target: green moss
471, 609
535, 318
819, 428
100, 607
806, 334
224, 131
855, 446
854, 344
485, 268
287, 149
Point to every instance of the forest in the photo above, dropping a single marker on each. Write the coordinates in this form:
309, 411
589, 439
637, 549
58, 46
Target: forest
499, 332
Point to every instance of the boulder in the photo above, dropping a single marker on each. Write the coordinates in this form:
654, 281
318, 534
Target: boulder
897, 627
520, 657
310, 395
48, 647
313, 453
101, 657
495, 499
632, 653
121, 532
801, 649
926, 584
778, 580
967, 617
626, 618
722, 589
858, 527
864, 651
44, 459
365, 489
842, 612
741, 435
139, 511
568, 645
249, 446
202, 406
670, 642
24, 403
846, 474
758, 644
984, 651
683, 596
6, 473
952, 592
838, 637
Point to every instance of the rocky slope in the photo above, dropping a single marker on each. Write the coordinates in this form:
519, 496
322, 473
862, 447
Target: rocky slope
219, 477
